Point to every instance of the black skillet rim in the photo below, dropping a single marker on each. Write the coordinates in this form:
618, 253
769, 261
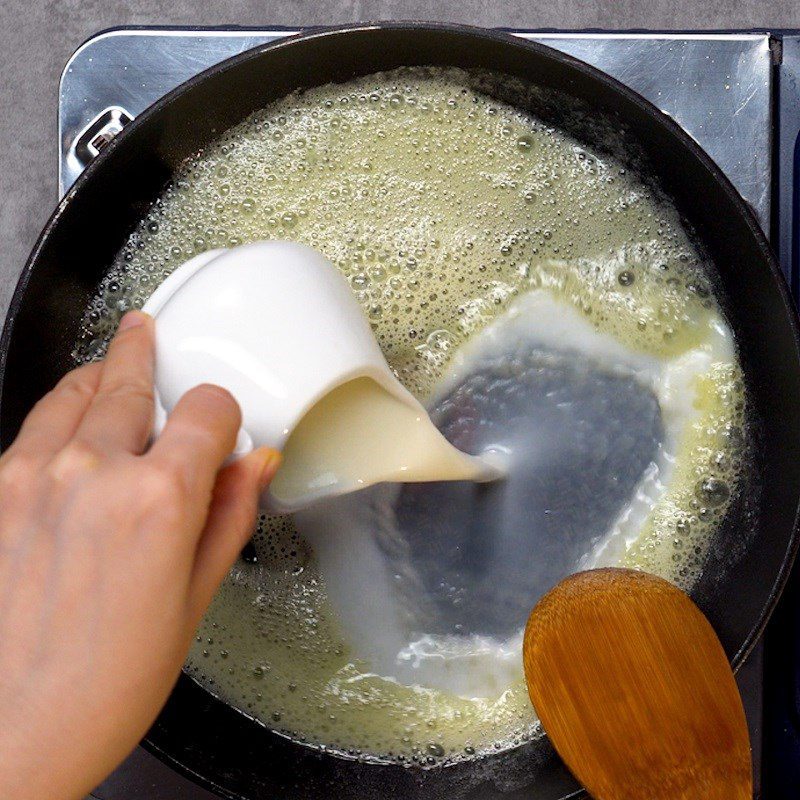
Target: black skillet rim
501, 37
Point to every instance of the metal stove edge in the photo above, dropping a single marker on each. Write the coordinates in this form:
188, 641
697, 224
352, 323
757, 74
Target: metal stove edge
783, 123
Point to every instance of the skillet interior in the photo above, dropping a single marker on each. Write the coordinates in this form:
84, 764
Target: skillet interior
749, 558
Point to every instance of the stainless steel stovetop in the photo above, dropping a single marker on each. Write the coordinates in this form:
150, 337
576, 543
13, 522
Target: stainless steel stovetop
721, 88
717, 86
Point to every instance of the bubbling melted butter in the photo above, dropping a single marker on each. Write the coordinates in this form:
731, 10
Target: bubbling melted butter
442, 206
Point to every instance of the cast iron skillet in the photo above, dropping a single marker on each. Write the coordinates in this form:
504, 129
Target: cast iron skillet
750, 558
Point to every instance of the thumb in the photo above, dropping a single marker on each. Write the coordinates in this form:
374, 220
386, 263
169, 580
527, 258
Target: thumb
230, 521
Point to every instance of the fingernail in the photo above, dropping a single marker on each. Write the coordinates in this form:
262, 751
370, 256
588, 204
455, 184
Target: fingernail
217, 391
133, 319
272, 460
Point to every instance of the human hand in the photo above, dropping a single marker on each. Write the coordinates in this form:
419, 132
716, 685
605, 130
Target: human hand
109, 555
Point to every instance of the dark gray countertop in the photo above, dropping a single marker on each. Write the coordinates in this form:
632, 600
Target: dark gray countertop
38, 36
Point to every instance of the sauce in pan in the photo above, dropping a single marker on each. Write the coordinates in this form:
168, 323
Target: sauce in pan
537, 295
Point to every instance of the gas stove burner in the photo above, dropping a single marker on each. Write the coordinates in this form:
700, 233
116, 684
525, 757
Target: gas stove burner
735, 93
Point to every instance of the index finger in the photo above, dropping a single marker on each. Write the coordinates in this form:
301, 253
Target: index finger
52, 422
120, 416
199, 435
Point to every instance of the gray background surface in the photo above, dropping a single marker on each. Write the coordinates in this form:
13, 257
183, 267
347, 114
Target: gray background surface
37, 37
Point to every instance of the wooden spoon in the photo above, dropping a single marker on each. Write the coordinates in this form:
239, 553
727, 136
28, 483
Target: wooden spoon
635, 691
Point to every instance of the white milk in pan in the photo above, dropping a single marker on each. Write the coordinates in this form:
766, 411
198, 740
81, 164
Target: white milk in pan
539, 298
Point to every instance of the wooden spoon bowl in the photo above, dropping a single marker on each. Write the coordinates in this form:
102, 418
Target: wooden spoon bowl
635, 691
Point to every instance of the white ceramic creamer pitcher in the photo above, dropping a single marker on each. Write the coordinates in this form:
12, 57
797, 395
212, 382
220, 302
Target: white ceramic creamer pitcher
277, 325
